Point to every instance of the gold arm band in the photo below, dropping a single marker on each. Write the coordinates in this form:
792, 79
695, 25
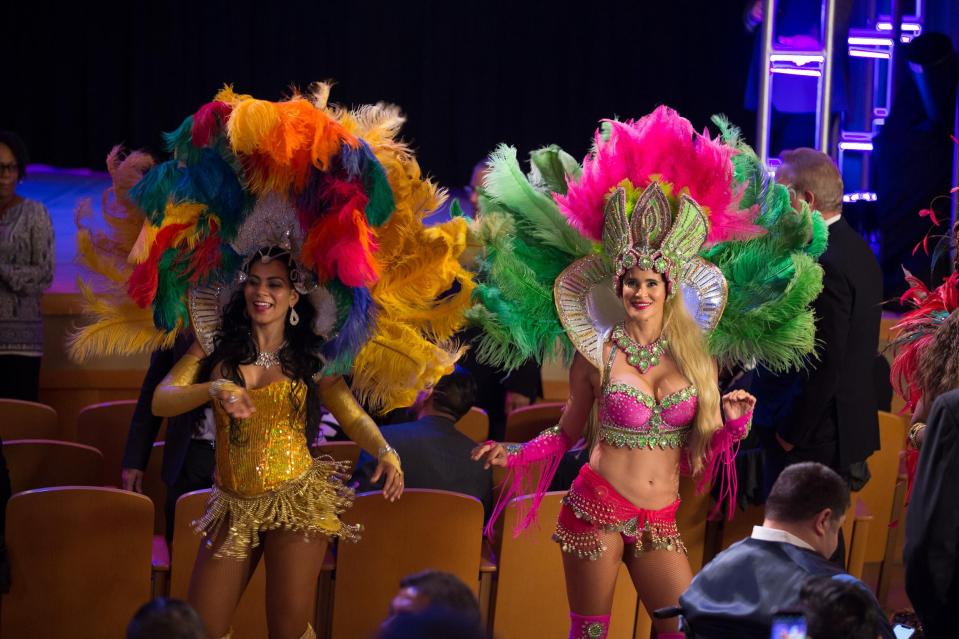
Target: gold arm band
357, 425
915, 434
177, 393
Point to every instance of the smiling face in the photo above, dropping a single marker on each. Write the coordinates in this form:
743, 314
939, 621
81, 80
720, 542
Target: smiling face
644, 294
268, 292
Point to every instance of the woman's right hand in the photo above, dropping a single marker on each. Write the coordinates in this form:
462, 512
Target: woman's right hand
490, 453
236, 402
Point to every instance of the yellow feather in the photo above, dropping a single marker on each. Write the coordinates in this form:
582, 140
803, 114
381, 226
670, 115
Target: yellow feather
250, 123
119, 327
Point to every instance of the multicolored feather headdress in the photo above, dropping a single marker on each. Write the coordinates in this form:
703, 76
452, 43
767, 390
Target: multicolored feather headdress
653, 192
333, 185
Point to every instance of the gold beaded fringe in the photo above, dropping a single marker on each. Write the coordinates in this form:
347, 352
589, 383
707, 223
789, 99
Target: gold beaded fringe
311, 503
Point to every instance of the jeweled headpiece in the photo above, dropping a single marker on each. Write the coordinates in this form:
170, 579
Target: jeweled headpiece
649, 237
653, 191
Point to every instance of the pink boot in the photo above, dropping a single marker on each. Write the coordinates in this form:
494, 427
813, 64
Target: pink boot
586, 627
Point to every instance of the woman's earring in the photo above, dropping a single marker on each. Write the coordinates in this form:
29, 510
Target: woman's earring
294, 317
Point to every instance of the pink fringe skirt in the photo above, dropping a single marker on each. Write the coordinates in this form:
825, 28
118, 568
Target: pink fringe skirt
593, 507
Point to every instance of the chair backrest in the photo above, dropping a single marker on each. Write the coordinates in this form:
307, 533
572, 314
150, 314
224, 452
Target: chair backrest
105, 426
80, 562
425, 529
154, 488
694, 509
523, 424
42, 463
27, 420
339, 451
879, 492
474, 424
249, 618
530, 598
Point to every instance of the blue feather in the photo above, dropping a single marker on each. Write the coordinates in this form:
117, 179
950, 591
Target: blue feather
356, 329
154, 189
211, 181
354, 159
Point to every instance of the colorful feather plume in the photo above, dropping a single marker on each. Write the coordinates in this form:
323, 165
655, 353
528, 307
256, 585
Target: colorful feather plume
333, 185
531, 228
662, 146
915, 332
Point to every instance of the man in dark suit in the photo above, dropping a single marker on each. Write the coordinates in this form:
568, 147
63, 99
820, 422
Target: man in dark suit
931, 555
188, 459
434, 453
827, 413
740, 590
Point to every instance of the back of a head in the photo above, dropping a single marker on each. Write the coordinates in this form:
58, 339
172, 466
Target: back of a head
432, 623
455, 393
443, 590
838, 609
806, 169
165, 618
805, 489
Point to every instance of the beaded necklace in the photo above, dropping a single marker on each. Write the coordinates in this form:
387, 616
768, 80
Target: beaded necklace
642, 356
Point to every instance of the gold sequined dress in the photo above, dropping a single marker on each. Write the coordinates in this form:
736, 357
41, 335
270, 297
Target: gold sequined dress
267, 479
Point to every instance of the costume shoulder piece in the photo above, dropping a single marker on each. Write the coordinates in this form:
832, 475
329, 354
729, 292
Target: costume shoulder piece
652, 193
333, 187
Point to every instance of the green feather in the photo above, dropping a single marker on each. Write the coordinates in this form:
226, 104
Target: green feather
169, 305
381, 203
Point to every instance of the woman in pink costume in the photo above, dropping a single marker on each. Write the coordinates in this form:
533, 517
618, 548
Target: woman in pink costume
640, 312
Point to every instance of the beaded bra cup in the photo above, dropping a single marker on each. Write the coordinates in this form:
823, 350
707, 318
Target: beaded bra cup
630, 418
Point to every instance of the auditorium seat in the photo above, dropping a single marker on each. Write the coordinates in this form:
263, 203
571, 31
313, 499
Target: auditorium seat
530, 599
27, 420
474, 424
339, 451
80, 562
523, 424
154, 488
249, 620
425, 529
42, 463
105, 427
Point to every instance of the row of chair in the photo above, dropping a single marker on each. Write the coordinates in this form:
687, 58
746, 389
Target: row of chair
105, 426
83, 558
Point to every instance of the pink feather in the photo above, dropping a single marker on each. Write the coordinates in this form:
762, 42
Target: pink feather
661, 146
208, 120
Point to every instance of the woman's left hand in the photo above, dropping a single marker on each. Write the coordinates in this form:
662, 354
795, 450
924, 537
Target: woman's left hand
393, 487
737, 403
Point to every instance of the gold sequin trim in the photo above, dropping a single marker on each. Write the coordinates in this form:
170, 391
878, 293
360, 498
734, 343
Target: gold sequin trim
310, 503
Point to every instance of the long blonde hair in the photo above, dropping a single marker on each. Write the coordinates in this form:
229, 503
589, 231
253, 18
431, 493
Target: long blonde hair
687, 346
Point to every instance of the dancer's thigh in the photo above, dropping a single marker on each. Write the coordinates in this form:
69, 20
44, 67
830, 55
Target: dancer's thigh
216, 586
590, 582
660, 577
293, 563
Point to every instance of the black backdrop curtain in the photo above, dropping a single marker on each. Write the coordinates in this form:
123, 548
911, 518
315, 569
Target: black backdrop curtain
81, 77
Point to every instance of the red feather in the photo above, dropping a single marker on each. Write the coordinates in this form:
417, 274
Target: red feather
340, 243
142, 285
207, 121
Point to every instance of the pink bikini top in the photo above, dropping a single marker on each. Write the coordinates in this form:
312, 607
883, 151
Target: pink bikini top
631, 418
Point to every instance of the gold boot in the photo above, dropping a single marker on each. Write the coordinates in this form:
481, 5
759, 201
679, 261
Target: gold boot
228, 635
308, 633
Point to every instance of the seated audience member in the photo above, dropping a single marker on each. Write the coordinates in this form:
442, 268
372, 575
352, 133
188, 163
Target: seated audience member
432, 450
165, 618
432, 623
931, 554
738, 592
434, 589
839, 608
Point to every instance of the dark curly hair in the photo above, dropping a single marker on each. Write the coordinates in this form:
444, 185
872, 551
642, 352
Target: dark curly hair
233, 346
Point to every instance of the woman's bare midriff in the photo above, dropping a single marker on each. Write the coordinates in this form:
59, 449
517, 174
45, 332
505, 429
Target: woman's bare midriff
647, 478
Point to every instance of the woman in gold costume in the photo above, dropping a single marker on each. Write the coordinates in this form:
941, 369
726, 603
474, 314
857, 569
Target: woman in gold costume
271, 499
289, 237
